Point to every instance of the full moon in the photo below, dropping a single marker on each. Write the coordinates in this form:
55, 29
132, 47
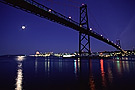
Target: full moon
23, 27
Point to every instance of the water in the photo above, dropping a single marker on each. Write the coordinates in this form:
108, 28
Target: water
31, 73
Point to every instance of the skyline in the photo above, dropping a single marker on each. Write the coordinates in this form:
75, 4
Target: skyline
116, 18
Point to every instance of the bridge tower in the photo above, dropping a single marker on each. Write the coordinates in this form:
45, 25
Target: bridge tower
84, 40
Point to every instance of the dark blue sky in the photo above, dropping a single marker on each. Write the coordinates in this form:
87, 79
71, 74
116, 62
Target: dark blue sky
115, 17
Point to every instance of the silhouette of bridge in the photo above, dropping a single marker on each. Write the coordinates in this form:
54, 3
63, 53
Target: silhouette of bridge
42, 11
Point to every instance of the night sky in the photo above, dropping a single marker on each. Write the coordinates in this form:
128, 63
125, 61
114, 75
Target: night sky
114, 19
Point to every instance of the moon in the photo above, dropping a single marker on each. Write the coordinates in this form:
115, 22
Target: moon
23, 27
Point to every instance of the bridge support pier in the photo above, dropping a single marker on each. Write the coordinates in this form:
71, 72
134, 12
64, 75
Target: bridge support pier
84, 40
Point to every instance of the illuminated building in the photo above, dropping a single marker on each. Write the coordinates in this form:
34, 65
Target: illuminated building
37, 53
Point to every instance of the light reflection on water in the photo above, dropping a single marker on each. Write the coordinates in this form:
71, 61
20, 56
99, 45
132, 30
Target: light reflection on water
74, 74
76, 67
48, 66
103, 73
36, 65
19, 78
91, 78
106, 75
109, 70
60, 65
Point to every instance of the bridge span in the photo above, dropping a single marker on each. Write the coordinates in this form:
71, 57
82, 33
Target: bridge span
42, 11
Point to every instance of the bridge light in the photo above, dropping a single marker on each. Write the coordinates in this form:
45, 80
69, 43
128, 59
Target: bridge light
101, 35
90, 28
23, 27
50, 10
82, 4
70, 17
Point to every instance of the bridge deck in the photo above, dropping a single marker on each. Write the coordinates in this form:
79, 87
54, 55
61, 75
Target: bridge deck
40, 10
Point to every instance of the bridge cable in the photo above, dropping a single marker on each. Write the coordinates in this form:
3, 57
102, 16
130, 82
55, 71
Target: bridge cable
92, 16
60, 3
75, 2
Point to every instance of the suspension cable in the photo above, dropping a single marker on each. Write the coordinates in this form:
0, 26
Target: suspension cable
76, 6
96, 23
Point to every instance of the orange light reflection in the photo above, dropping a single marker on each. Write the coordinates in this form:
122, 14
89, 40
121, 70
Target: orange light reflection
102, 73
91, 78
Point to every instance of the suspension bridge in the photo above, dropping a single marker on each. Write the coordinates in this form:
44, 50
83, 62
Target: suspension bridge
82, 27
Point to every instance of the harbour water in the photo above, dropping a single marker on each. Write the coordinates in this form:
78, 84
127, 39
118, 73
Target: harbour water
48, 73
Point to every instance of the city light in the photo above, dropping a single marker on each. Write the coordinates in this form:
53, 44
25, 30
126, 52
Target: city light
20, 58
37, 52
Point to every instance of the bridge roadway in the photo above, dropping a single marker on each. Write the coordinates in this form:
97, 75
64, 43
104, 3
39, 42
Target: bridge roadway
40, 10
